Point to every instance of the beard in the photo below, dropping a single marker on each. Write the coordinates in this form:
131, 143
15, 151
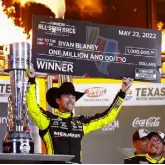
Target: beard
153, 151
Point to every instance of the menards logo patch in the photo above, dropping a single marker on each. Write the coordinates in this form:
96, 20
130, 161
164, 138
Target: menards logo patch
95, 91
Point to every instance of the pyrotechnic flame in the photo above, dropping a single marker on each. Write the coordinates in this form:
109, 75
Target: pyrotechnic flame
10, 33
160, 27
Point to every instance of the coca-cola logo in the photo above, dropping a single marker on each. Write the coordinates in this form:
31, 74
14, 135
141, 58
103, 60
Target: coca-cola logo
95, 91
150, 122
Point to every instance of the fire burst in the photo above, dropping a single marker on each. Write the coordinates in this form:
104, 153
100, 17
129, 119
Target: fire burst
10, 33
58, 7
87, 6
160, 27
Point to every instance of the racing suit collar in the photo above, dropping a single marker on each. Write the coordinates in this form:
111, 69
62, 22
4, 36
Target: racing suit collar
149, 158
62, 114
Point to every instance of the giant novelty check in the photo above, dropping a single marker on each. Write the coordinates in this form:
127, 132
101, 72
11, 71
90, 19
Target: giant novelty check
72, 47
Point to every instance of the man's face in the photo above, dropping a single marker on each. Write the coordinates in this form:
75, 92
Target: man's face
155, 146
141, 145
66, 102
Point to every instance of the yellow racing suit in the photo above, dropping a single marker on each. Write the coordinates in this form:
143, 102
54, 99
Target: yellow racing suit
143, 159
62, 132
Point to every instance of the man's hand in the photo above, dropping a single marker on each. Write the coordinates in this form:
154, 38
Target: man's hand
126, 84
31, 73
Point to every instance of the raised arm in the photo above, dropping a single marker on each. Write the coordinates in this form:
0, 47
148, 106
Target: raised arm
37, 114
102, 119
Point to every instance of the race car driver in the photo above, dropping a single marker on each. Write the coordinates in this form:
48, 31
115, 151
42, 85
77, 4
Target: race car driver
155, 150
62, 132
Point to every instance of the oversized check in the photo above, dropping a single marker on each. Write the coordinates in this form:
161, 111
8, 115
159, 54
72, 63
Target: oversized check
72, 47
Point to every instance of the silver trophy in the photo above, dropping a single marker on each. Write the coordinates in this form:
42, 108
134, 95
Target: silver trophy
18, 138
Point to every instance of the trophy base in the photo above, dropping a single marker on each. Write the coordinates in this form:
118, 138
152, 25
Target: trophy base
22, 144
8, 158
18, 146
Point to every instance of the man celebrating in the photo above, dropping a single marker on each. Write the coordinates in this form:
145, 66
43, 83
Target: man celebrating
155, 150
62, 132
